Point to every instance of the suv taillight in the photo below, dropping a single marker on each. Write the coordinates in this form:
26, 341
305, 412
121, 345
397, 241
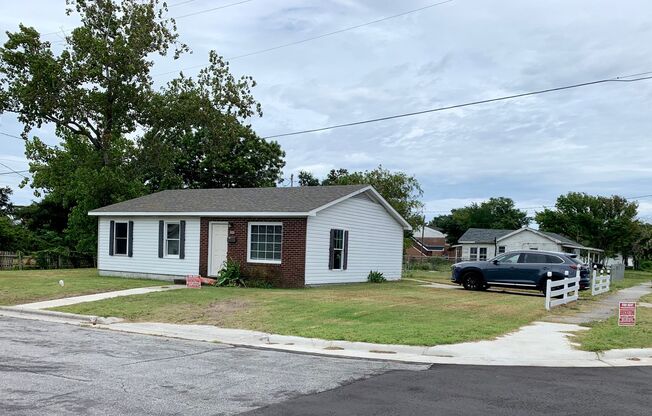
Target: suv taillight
573, 266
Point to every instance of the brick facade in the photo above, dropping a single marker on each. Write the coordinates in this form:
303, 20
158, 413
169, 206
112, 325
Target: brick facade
291, 271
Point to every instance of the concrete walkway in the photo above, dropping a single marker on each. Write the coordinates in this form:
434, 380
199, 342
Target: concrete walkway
607, 306
92, 298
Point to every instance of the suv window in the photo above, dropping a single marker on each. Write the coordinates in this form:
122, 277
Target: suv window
534, 258
575, 260
508, 258
553, 260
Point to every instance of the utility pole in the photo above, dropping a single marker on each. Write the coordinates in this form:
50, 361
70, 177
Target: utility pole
292, 180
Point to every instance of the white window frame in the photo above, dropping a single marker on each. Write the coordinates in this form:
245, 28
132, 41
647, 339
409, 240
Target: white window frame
339, 249
502, 249
265, 261
472, 256
165, 237
480, 255
115, 239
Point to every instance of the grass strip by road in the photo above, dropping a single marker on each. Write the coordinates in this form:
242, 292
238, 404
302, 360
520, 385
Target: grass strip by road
26, 286
607, 335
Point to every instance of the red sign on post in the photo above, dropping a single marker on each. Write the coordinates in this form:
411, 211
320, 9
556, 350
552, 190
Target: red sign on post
627, 313
193, 282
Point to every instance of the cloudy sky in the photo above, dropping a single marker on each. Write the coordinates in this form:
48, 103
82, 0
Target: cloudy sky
595, 139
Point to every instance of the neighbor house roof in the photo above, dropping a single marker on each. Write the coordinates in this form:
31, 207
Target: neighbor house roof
488, 236
428, 232
298, 201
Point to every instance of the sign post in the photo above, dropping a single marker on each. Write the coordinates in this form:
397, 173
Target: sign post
626, 313
193, 282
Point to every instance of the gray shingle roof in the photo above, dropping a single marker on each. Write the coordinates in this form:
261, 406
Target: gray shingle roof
483, 235
487, 236
264, 200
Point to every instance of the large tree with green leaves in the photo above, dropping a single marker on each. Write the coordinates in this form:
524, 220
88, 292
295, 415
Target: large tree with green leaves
198, 136
119, 137
400, 190
607, 223
642, 247
496, 213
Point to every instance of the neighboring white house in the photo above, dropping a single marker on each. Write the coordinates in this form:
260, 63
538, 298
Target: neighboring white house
290, 236
483, 244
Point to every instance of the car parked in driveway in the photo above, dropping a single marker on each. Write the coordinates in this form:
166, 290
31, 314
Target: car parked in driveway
523, 269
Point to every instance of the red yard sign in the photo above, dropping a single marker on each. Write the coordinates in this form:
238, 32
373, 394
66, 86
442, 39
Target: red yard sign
627, 314
193, 282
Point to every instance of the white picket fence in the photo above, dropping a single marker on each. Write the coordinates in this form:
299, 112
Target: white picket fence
601, 282
563, 288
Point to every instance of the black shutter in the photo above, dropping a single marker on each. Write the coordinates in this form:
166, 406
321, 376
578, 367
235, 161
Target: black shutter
331, 252
182, 239
130, 250
346, 250
111, 231
161, 226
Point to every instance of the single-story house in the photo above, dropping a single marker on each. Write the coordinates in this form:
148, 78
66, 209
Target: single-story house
289, 236
427, 242
483, 244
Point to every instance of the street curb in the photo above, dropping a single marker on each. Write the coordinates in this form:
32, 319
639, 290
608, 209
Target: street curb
92, 319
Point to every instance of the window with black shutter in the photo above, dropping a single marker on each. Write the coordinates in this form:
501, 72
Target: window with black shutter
121, 238
338, 244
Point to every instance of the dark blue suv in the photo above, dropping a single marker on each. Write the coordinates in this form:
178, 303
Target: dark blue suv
524, 269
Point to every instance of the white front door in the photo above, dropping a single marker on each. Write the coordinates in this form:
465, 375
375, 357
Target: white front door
217, 246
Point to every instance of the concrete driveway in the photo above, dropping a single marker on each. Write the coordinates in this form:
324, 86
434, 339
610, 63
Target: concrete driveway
50, 368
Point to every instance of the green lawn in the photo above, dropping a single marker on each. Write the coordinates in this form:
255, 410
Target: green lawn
430, 276
395, 313
606, 335
26, 286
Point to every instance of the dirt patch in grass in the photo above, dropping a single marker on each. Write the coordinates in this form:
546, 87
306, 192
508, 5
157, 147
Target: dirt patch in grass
225, 311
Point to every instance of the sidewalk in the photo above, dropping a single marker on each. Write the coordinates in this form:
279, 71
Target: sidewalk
546, 344
98, 296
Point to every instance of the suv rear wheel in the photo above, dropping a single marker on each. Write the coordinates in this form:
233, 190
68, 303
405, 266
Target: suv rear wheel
473, 281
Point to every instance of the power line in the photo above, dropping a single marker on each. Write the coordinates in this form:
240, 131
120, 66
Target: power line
62, 30
469, 104
323, 35
14, 171
180, 3
19, 172
11, 135
211, 10
23, 140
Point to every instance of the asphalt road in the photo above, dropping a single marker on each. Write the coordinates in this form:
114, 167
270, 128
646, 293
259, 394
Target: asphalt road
483, 390
57, 369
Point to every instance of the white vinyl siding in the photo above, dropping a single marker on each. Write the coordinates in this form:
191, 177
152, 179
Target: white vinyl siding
145, 258
525, 240
375, 242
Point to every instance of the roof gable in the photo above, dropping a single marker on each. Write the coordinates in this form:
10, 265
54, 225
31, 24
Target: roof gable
488, 236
